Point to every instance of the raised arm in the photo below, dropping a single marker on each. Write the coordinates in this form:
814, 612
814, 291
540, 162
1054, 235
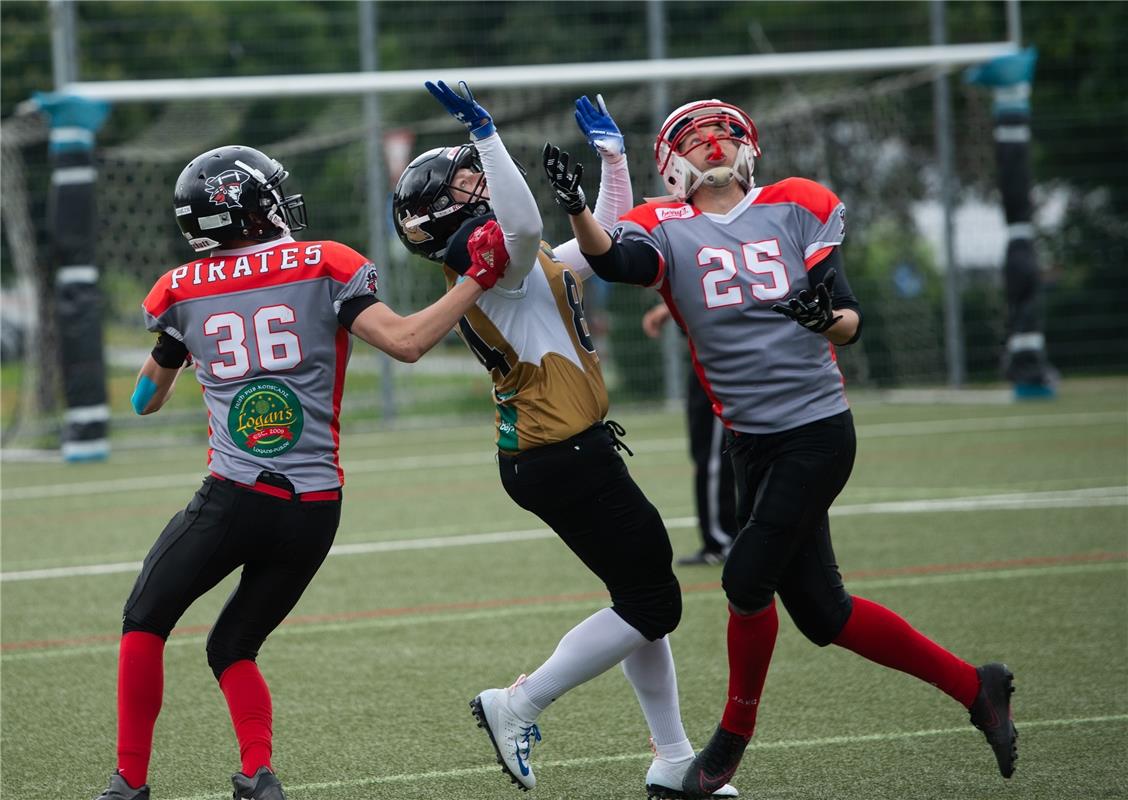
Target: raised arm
619, 261
408, 338
510, 197
615, 197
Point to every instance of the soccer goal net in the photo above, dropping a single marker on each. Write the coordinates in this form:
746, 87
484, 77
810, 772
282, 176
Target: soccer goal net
868, 135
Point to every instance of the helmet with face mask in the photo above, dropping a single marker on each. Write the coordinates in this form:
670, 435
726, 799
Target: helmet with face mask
680, 177
234, 194
425, 210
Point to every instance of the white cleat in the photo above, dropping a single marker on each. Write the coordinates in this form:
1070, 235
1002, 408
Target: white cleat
664, 780
512, 737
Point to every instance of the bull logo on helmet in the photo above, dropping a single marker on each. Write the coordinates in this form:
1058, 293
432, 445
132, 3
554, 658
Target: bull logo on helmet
226, 188
412, 227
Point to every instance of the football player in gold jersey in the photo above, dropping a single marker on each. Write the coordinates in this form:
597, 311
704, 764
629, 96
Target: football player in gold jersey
558, 455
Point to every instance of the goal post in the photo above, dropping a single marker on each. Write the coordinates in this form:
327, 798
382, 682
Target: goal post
866, 114
600, 73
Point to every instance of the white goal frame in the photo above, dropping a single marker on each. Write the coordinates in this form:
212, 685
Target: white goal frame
599, 72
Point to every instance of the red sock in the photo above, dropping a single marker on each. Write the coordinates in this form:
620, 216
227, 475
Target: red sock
751, 640
139, 690
876, 633
248, 700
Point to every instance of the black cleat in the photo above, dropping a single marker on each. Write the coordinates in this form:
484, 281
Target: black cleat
263, 786
119, 789
991, 713
715, 765
702, 557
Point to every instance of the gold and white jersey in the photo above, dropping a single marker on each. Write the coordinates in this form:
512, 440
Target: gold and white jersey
534, 340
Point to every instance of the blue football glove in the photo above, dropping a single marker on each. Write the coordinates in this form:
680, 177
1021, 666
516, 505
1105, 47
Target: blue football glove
463, 108
601, 131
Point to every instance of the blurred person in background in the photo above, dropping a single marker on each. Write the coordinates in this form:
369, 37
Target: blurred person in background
557, 454
265, 321
714, 491
754, 276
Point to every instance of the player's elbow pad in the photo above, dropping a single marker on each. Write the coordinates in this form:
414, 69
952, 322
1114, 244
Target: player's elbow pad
142, 394
626, 262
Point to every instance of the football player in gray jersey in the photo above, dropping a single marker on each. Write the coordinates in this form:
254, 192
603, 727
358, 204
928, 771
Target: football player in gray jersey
265, 323
754, 276
557, 457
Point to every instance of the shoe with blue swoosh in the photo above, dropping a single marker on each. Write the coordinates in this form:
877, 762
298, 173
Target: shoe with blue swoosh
512, 737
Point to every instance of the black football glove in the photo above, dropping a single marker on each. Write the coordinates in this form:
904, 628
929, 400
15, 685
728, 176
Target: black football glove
813, 312
565, 185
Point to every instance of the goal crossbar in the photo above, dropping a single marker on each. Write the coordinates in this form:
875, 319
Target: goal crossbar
597, 73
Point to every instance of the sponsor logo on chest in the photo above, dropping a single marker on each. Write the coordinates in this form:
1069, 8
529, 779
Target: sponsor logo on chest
681, 212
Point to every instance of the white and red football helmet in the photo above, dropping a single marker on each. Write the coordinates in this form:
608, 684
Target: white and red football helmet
680, 177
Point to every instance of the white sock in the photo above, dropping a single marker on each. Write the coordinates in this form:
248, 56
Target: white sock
650, 669
595, 645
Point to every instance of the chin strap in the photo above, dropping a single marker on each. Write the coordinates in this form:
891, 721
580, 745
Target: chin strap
717, 178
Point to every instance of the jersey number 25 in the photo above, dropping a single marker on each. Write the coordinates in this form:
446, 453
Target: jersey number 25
760, 258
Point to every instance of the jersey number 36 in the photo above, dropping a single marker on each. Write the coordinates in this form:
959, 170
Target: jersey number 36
276, 349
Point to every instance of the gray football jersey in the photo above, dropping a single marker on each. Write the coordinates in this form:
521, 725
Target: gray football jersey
261, 325
720, 275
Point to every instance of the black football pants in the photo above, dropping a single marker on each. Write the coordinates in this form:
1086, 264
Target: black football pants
713, 487
785, 484
279, 543
581, 489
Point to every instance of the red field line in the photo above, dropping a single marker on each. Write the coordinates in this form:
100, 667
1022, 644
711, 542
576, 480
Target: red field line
508, 602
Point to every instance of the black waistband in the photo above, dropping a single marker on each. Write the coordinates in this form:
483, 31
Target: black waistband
608, 431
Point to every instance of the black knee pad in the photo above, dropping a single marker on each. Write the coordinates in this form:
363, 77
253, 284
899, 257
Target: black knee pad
821, 622
131, 623
743, 592
653, 611
222, 655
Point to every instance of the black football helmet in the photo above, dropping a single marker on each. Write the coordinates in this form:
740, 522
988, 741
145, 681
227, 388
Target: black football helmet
233, 193
426, 214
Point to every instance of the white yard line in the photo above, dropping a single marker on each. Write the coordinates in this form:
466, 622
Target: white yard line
443, 460
642, 758
1076, 498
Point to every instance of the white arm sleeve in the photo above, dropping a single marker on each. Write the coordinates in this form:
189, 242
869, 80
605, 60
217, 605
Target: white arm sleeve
614, 200
515, 208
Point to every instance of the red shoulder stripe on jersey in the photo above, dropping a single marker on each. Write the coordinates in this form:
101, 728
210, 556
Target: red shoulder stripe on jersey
342, 355
817, 256
812, 196
651, 215
290, 262
658, 279
718, 407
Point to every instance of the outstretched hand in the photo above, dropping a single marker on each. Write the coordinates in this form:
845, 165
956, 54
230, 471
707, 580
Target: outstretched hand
462, 106
488, 256
813, 311
600, 129
565, 182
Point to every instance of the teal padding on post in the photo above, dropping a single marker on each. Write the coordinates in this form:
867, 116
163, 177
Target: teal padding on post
1010, 77
143, 393
1003, 71
72, 111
